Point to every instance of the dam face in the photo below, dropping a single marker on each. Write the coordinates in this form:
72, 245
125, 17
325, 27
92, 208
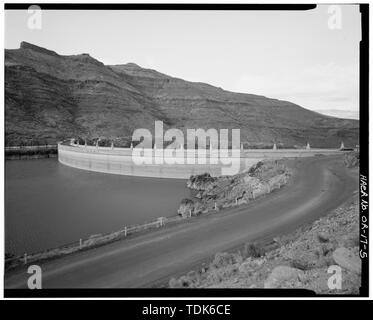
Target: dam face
120, 161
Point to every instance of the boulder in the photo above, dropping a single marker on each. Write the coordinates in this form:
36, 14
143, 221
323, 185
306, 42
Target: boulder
347, 259
246, 267
350, 239
201, 182
282, 274
303, 255
323, 237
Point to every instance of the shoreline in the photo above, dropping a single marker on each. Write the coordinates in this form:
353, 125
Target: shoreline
31, 152
27, 157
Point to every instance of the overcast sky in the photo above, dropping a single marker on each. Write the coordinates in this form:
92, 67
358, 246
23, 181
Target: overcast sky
286, 55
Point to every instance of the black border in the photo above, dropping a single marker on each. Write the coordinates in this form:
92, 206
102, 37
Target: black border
238, 309
150, 292
364, 130
171, 293
159, 6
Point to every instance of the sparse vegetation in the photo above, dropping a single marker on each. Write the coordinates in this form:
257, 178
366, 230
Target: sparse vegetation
214, 193
224, 264
224, 259
253, 250
182, 282
299, 260
352, 159
9, 255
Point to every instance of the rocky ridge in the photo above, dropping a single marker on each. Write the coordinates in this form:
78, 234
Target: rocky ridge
215, 193
50, 97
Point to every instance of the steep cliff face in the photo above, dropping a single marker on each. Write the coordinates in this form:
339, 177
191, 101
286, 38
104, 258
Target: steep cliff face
50, 97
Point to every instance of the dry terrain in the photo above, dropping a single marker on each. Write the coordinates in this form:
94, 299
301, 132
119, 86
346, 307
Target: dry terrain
300, 259
49, 97
317, 186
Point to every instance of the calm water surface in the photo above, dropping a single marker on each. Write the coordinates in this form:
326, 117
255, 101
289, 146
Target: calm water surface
48, 204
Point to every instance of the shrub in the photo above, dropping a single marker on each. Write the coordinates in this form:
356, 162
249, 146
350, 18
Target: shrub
105, 142
253, 250
194, 277
224, 259
218, 275
187, 202
9, 255
352, 159
174, 283
182, 282
299, 264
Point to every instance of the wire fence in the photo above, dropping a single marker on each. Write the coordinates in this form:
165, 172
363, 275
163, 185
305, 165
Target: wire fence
87, 243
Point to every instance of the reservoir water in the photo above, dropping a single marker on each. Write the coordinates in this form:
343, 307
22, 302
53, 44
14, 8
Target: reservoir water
48, 204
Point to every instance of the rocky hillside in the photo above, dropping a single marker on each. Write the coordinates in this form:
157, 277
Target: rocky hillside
298, 260
50, 97
215, 193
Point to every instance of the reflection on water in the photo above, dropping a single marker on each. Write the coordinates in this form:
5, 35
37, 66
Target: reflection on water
48, 204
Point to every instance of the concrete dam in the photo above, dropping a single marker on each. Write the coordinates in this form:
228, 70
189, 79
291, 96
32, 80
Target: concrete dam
120, 160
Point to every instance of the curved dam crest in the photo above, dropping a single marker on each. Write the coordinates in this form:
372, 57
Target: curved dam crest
119, 161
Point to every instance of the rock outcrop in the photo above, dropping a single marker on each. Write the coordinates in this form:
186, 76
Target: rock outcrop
215, 193
348, 259
282, 275
201, 182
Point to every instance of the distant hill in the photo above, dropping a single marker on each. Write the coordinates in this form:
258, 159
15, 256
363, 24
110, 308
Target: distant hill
340, 113
49, 97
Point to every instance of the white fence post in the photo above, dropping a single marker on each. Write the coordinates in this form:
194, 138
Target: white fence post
160, 220
125, 231
80, 243
25, 258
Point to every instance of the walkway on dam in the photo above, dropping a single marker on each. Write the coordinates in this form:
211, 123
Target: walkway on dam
159, 163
